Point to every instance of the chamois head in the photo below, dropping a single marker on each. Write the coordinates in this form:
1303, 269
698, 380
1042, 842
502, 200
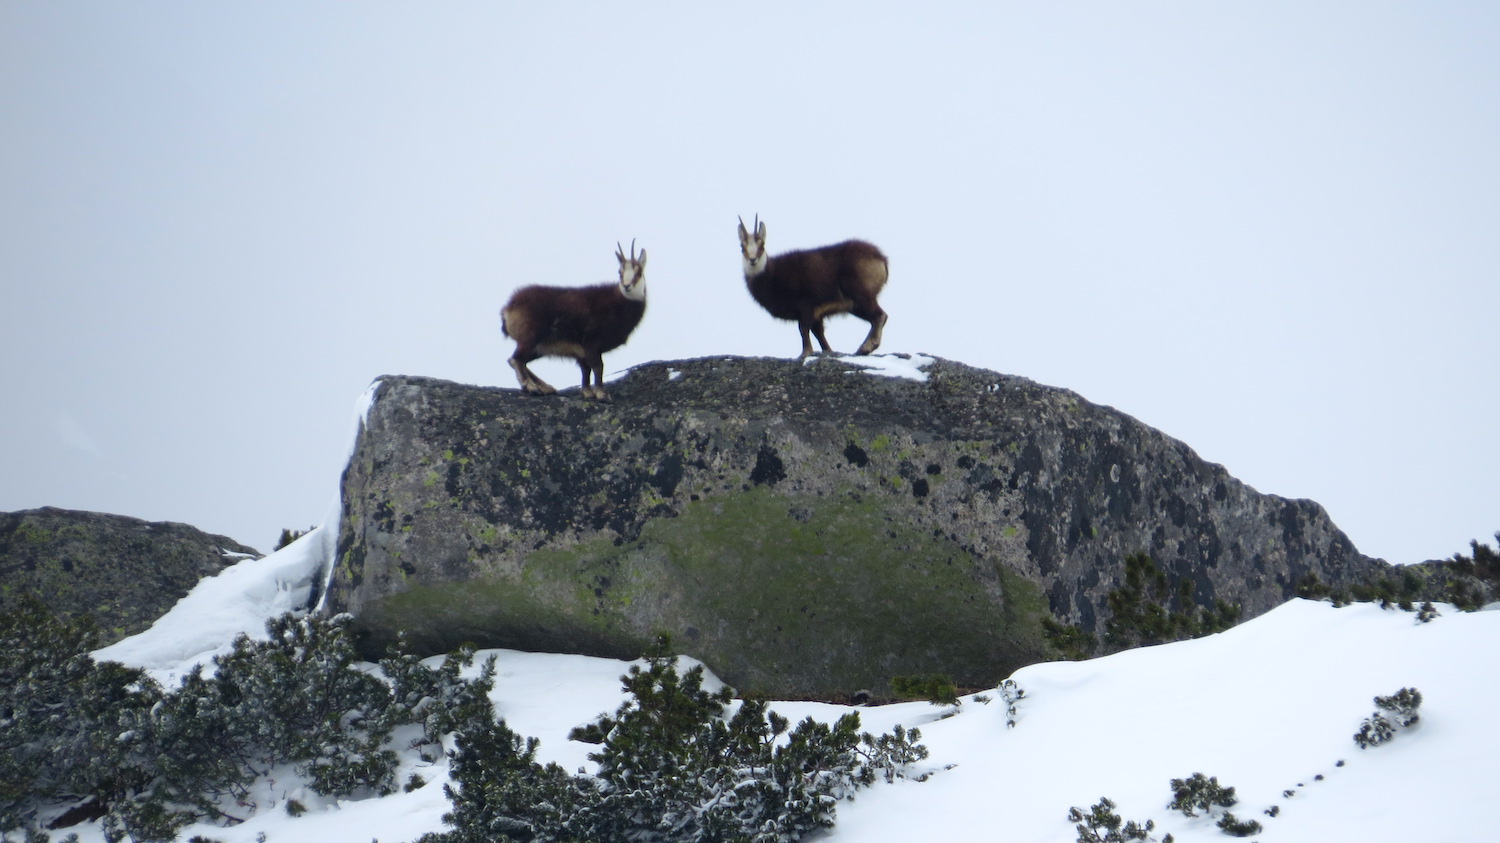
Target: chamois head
753, 247
632, 272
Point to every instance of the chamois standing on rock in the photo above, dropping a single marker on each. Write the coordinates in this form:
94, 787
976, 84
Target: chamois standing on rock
580, 323
812, 284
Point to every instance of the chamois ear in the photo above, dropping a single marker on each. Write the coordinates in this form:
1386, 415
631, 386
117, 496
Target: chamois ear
744, 235
760, 230
641, 262
619, 252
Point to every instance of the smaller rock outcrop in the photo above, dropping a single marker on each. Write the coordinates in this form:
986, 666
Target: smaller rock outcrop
124, 571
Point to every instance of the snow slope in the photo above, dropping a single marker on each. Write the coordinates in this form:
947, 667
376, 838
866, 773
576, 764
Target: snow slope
1267, 707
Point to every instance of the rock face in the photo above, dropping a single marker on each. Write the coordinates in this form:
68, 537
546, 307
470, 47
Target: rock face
124, 571
803, 528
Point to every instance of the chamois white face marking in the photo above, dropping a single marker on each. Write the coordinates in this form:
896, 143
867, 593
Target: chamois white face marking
753, 250
633, 277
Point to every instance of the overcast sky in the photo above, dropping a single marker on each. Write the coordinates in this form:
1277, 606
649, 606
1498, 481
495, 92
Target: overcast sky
1269, 229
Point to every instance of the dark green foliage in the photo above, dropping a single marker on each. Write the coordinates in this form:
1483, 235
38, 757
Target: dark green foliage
1480, 573
672, 767
62, 715
438, 698
1205, 794
1378, 728
890, 754
1146, 610
299, 697
1102, 825
1071, 642
500, 793
73, 730
1468, 582
936, 688
1311, 587
1200, 793
1235, 827
289, 536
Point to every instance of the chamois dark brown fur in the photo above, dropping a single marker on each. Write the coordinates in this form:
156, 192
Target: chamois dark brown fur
580, 323
809, 285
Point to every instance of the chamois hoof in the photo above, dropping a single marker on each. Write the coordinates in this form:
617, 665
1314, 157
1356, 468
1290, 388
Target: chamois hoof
540, 389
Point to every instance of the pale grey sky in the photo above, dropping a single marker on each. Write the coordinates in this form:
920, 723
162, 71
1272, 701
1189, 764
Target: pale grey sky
1270, 229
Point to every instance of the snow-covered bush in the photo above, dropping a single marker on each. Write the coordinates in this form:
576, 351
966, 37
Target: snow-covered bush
1102, 825
1204, 793
1012, 693
439, 699
1378, 728
109, 740
672, 767
300, 697
1235, 827
1200, 793
63, 716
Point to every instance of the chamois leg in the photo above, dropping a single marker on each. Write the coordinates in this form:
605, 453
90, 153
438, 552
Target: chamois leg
811, 325
817, 329
804, 327
529, 382
583, 367
594, 363
870, 311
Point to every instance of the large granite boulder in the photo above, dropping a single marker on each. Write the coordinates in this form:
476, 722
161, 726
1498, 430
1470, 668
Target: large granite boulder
124, 571
804, 528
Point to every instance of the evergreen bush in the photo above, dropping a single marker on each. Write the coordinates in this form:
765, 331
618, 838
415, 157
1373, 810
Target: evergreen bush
1378, 728
1145, 610
1200, 793
1102, 825
671, 766
1070, 642
148, 762
936, 688
299, 697
1235, 827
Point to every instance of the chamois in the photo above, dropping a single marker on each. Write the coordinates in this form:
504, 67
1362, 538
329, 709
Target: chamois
812, 284
576, 322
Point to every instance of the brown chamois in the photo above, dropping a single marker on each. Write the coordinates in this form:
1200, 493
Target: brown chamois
812, 284
576, 322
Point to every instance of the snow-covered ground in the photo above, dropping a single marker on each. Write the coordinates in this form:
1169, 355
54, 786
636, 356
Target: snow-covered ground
1269, 707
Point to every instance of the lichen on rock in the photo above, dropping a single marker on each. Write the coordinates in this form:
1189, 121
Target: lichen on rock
804, 528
